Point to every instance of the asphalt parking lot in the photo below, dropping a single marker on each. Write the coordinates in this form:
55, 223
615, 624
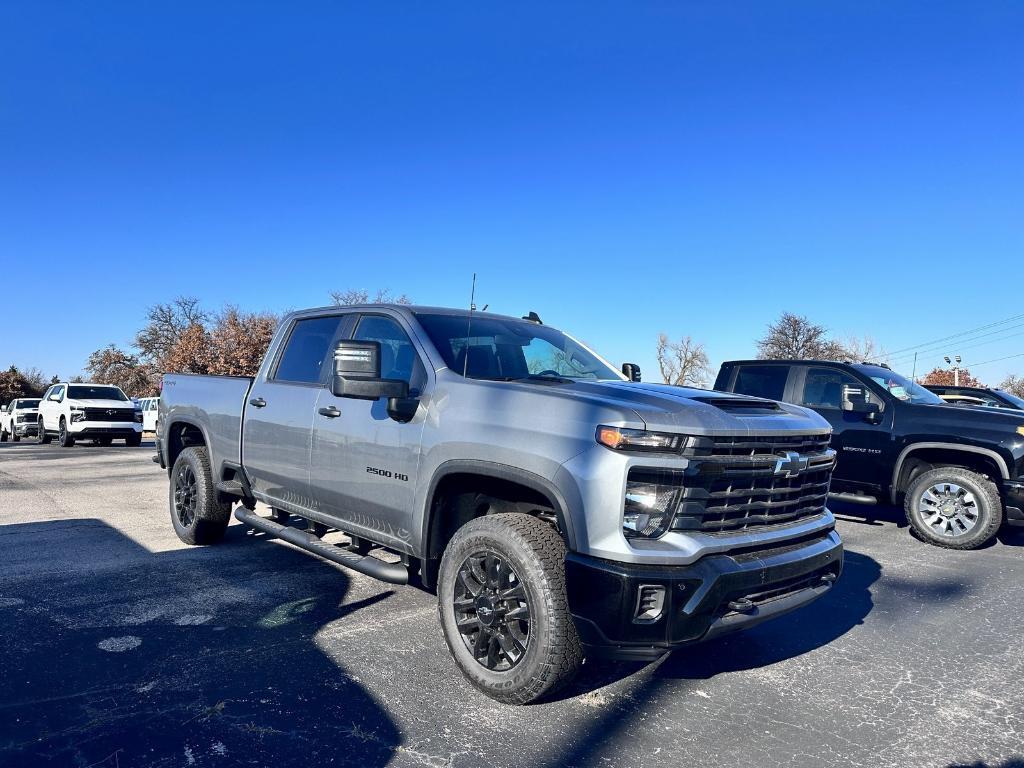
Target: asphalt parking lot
123, 647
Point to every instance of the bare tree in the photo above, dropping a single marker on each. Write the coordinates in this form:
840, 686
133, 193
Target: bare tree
683, 363
1014, 385
361, 296
111, 365
864, 349
165, 325
36, 380
794, 337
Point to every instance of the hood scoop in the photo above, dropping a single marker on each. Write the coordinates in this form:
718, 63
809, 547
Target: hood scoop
742, 406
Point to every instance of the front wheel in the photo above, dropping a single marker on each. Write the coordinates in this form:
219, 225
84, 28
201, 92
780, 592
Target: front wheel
954, 508
503, 607
15, 437
3, 435
196, 514
66, 439
41, 437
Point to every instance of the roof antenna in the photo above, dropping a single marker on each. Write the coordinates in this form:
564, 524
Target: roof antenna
469, 325
913, 374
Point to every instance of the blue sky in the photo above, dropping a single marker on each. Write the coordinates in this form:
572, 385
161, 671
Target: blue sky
620, 168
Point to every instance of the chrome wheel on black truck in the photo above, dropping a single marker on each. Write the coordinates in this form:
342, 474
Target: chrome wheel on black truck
954, 508
198, 517
503, 608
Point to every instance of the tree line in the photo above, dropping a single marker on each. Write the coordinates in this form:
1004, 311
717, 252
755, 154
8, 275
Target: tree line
795, 337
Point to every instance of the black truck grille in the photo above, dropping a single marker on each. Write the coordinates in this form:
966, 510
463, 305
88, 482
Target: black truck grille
110, 414
750, 482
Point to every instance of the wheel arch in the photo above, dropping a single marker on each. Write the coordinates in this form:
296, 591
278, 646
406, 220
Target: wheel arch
931, 450
484, 472
180, 434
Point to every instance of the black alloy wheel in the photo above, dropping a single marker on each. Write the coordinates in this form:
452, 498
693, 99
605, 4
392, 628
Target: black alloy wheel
185, 495
492, 611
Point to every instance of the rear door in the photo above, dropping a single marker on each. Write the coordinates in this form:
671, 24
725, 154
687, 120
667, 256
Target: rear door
364, 464
862, 448
278, 424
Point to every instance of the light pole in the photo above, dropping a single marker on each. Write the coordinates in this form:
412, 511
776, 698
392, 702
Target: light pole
955, 362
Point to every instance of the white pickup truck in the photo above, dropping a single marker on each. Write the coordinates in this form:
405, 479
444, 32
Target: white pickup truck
18, 418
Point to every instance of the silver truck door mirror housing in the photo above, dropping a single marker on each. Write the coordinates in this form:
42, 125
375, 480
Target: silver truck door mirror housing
357, 372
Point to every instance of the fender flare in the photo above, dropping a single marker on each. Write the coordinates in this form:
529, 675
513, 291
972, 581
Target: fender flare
905, 453
507, 472
166, 440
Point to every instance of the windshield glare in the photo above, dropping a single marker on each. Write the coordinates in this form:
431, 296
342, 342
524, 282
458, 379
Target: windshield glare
28, 404
504, 349
91, 392
901, 387
1012, 398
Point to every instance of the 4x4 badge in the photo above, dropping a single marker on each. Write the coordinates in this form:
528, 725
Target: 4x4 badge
791, 464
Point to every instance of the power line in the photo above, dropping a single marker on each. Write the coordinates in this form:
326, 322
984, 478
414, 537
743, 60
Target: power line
958, 335
995, 360
969, 343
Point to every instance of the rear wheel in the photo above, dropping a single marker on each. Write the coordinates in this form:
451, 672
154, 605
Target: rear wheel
66, 439
197, 516
954, 508
3, 435
504, 612
41, 437
16, 437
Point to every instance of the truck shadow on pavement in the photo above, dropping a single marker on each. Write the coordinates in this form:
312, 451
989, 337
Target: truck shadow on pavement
115, 655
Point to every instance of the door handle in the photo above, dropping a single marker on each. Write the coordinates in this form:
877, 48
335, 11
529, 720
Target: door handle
330, 412
257, 402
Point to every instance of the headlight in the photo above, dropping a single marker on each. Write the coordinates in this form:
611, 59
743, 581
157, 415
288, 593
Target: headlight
138, 417
652, 497
77, 414
621, 439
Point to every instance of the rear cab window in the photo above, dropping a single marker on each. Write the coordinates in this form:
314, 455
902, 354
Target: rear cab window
767, 381
304, 353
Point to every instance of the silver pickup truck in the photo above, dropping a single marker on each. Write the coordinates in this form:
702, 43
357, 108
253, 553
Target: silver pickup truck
559, 508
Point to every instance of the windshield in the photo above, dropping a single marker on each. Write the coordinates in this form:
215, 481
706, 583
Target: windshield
28, 404
1012, 398
94, 392
504, 349
900, 387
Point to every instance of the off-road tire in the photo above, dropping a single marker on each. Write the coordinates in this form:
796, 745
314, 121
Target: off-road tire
987, 502
64, 436
133, 440
41, 437
15, 437
3, 435
209, 517
536, 553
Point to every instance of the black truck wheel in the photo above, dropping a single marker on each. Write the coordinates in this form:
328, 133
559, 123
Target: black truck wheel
3, 435
41, 436
197, 516
954, 508
64, 436
504, 612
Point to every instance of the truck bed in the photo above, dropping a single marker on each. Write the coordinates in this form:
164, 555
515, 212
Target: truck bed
215, 405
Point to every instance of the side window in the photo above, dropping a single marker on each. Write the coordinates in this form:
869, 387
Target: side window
59, 392
303, 357
398, 358
829, 387
762, 381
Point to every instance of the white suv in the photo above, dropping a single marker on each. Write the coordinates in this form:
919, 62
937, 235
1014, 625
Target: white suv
18, 418
97, 412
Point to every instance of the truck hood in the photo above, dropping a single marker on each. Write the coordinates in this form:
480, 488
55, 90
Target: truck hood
961, 417
100, 403
693, 411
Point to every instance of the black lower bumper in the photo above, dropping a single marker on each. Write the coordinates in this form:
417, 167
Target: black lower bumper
1013, 493
114, 432
716, 595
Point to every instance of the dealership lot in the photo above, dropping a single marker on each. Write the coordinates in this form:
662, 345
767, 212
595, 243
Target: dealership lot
125, 647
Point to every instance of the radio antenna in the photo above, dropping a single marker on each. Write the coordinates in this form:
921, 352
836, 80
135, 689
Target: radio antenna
913, 375
469, 324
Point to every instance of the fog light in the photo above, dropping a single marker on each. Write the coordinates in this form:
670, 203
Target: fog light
650, 603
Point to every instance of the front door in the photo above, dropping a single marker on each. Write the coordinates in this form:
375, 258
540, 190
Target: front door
862, 449
364, 465
280, 411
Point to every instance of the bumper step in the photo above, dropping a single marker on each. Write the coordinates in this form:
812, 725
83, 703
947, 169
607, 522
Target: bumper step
392, 573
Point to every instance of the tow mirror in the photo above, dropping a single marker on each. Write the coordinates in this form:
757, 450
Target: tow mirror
631, 371
856, 401
357, 373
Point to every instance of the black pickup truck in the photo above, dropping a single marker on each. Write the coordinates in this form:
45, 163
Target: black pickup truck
982, 396
959, 472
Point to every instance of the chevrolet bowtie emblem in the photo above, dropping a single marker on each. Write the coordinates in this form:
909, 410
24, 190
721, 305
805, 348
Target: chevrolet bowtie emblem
791, 464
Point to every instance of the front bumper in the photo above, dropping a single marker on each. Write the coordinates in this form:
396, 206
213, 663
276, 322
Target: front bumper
1013, 494
716, 595
104, 428
24, 428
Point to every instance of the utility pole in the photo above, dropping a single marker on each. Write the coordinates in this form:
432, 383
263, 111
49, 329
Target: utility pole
955, 362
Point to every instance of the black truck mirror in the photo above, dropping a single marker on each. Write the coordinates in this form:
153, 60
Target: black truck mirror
856, 401
357, 373
631, 371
